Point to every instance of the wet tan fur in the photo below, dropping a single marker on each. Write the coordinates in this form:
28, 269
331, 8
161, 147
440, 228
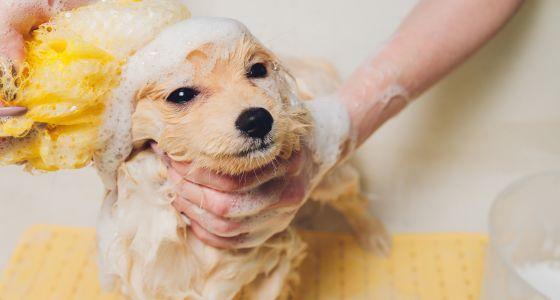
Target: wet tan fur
155, 255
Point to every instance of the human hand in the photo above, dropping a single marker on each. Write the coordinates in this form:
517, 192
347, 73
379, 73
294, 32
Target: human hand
244, 211
17, 19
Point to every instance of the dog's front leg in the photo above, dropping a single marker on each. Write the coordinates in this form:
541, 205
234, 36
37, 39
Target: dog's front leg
341, 190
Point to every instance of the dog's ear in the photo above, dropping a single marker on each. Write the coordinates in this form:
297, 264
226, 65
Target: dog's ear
147, 120
312, 77
289, 90
299, 124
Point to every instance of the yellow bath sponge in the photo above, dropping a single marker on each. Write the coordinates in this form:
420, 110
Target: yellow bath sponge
73, 63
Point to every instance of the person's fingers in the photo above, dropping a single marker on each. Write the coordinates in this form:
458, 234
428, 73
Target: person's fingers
293, 194
214, 224
228, 227
240, 183
214, 240
231, 205
241, 241
12, 46
16, 23
229, 183
283, 192
218, 203
12, 111
207, 178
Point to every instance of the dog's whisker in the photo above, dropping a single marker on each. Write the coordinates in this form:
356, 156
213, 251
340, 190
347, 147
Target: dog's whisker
282, 35
190, 171
203, 201
244, 178
257, 176
274, 165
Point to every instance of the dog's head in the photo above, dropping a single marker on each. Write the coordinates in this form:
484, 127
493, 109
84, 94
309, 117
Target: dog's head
218, 98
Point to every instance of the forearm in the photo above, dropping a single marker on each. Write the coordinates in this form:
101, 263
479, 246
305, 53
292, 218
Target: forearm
437, 36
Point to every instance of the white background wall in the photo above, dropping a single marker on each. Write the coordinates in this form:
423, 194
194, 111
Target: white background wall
436, 167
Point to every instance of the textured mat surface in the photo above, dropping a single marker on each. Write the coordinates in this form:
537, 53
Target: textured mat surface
58, 263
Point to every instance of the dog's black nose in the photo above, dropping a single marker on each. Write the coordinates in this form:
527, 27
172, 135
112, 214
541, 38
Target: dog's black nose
255, 122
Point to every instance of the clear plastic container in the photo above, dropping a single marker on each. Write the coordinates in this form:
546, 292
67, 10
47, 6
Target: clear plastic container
523, 260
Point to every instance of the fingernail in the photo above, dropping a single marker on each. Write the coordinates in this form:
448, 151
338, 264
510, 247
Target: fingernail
12, 111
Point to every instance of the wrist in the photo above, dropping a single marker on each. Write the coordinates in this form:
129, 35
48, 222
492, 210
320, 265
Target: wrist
375, 92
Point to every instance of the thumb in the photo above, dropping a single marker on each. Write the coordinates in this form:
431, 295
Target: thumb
12, 46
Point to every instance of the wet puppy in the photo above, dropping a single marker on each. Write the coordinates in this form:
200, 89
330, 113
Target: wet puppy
205, 91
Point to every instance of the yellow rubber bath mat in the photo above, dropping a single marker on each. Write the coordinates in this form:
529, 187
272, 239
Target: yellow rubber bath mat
58, 263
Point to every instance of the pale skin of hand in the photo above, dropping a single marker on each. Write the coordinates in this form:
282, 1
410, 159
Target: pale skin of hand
16, 22
434, 39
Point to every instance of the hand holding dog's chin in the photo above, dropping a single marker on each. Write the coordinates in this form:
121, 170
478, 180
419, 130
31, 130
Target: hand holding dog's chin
242, 211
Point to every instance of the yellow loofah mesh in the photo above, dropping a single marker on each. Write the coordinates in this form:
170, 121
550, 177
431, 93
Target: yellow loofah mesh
73, 63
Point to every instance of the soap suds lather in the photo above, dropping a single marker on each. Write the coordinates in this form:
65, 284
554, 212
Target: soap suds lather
543, 277
165, 52
331, 130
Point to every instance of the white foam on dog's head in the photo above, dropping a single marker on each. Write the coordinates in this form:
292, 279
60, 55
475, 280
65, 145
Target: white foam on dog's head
167, 51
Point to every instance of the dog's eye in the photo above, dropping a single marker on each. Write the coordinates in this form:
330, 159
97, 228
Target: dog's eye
257, 70
182, 95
